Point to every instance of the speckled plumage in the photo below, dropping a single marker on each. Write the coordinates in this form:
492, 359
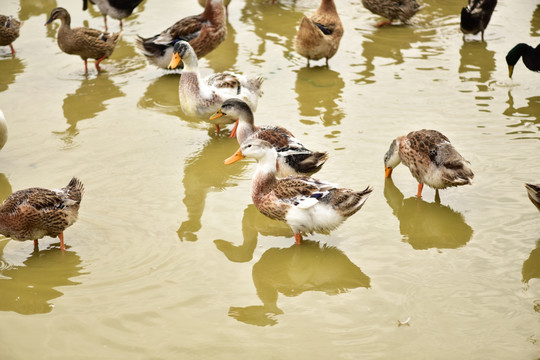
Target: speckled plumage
204, 32
533, 190
203, 97
86, 42
33, 213
293, 157
305, 204
401, 10
117, 9
9, 31
320, 33
431, 158
476, 15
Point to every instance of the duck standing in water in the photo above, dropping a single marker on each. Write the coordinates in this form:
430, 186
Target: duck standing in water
293, 157
86, 42
117, 9
475, 17
530, 55
319, 34
9, 31
401, 10
431, 158
203, 97
33, 213
304, 203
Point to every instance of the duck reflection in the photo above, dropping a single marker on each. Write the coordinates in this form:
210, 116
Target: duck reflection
531, 266
273, 23
9, 69
253, 224
427, 225
294, 270
162, 95
30, 287
203, 173
525, 116
476, 59
319, 89
87, 101
29, 8
224, 57
535, 22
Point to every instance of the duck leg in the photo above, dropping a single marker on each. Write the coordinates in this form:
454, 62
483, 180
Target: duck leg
85, 66
383, 23
105, 21
36, 245
298, 238
233, 131
12, 49
98, 61
61, 237
217, 128
420, 187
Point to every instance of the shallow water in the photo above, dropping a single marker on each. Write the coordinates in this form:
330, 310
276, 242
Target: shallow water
170, 259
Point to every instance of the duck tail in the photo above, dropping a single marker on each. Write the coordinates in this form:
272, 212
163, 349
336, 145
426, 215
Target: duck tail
351, 204
148, 47
75, 189
313, 163
255, 85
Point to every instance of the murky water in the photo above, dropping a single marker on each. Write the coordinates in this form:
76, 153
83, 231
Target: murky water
169, 258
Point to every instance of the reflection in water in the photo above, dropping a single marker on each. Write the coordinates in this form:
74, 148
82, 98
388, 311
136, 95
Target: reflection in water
162, 95
9, 68
427, 225
294, 270
318, 90
29, 8
253, 224
87, 101
204, 172
531, 266
528, 117
224, 57
5, 187
29, 288
273, 23
535, 22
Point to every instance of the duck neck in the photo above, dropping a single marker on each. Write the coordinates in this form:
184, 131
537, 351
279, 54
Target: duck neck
265, 176
213, 10
328, 6
246, 127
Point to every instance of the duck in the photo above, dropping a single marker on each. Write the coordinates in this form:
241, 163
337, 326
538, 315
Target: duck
401, 10
9, 31
293, 157
306, 204
33, 213
431, 158
203, 97
533, 190
117, 9
3, 130
225, 3
319, 34
530, 55
204, 32
86, 42
476, 15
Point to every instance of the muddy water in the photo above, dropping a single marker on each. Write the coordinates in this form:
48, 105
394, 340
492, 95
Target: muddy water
169, 258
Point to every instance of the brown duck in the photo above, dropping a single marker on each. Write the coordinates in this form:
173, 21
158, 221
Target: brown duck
118, 9
33, 213
204, 32
9, 31
86, 42
431, 158
401, 10
319, 34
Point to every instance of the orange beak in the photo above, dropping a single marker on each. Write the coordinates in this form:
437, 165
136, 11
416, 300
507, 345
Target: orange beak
174, 61
216, 115
237, 156
387, 172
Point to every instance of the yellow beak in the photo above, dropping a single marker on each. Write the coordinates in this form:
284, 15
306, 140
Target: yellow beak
234, 158
174, 61
216, 115
510, 70
387, 172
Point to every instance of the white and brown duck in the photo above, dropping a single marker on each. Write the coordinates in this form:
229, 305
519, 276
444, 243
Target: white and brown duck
307, 205
293, 157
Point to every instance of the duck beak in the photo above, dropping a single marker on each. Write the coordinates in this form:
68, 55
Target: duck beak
510, 71
237, 156
387, 172
216, 114
174, 61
